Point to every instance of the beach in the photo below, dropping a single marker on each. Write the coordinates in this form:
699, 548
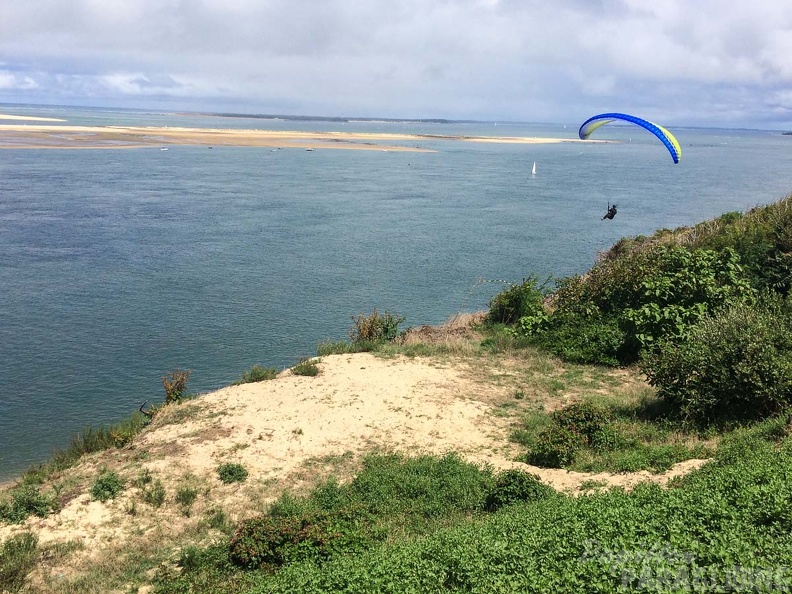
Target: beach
47, 136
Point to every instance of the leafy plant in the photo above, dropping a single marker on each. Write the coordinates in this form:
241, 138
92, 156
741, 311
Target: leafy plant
154, 493
26, 500
18, 557
375, 327
175, 384
734, 365
523, 300
185, 497
107, 486
257, 374
512, 486
306, 367
555, 447
231, 472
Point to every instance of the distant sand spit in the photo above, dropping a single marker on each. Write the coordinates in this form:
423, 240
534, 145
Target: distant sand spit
28, 118
69, 137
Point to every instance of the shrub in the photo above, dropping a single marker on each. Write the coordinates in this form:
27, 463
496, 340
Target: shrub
586, 340
524, 300
271, 540
555, 447
231, 472
735, 365
582, 418
185, 497
512, 486
257, 374
154, 494
306, 367
375, 327
26, 500
107, 486
175, 384
18, 557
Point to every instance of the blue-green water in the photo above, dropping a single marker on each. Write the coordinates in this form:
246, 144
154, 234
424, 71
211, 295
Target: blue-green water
117, 266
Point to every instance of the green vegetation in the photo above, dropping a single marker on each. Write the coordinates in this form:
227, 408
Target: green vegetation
185, 497
107, 486
439, 524
679, 302
23, 501
257, 374
307, 367
375, 327
175, 384
231, 472
18, 556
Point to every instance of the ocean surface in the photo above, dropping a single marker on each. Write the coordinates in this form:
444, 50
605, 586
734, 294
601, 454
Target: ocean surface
117, 266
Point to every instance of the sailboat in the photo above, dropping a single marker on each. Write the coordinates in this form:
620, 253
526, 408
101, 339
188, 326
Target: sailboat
533, 169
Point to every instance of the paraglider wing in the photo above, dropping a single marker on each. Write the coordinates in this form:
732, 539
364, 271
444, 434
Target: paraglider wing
664, 135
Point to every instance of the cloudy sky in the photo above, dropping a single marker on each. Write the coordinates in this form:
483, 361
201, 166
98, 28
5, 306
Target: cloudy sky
679, 62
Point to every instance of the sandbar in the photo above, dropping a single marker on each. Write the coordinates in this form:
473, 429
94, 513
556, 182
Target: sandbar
28, 118
39, 136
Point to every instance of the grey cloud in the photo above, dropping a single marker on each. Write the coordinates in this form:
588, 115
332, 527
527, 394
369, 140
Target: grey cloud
492, 59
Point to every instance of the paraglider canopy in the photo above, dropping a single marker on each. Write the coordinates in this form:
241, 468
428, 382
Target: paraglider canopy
664, 135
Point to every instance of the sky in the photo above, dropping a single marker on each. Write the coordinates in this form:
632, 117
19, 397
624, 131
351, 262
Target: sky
721, 63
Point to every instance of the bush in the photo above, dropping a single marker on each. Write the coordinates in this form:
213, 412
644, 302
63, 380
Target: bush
375, 327
257, 374
232, 473
107, 486
555, 447
175, 384
736, 365
18, 557
306, 367
275, 541
26, 500
524, 300
185, 497
512, 486
586, 340
154, 494
583, 419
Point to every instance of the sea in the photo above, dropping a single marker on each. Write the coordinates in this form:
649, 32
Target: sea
119, 266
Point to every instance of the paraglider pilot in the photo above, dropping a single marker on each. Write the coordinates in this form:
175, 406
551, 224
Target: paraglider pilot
611, 213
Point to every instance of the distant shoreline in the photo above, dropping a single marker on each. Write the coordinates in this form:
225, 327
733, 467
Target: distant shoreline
38, 136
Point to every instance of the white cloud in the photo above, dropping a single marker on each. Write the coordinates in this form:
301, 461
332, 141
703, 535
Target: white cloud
499, 59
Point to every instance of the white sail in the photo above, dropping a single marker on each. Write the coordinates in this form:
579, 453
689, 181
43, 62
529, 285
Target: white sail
533, 169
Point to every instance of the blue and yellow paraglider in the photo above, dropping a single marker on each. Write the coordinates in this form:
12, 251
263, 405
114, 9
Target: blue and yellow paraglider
664, 135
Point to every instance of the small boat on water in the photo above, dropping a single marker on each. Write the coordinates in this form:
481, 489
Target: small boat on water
533, 169
164, 148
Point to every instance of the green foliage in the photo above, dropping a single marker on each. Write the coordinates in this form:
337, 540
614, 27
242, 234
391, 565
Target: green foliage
175, 384
306, 367
734, 365
725, 522
512, 486
555, 447
257, 374
375, 327
231, 472
26, 500
582, 418
18, 557
596, 340
106, 486
185, 497
524, 300
154, 493
90, 440
680, 288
